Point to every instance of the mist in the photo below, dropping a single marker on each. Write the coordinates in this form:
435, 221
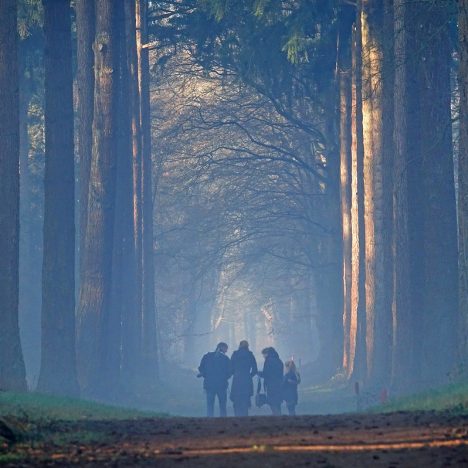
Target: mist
192, 173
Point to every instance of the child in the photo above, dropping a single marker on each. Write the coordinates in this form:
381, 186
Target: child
291, 380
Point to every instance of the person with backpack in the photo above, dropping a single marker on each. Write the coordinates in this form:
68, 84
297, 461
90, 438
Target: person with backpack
291, 380
272, 375
215, 368
244, 368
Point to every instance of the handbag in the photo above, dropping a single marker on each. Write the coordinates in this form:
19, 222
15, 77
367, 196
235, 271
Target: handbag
260, 397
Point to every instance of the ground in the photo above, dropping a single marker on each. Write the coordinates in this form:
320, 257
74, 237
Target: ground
395, 439
426, 429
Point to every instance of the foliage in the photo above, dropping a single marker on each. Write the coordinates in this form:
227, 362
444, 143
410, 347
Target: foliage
284, 50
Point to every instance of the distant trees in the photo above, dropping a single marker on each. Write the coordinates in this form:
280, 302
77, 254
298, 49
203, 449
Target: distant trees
304, 98
12, 371
236, 216
397, 193
58, 366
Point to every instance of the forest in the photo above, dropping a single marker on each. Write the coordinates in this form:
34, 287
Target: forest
178, 173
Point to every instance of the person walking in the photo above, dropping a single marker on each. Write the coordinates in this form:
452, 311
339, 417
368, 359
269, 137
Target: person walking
215, 368
244, 368
291, 380
272, 375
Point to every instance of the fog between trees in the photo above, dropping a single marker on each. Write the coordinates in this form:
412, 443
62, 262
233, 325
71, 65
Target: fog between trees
179, 173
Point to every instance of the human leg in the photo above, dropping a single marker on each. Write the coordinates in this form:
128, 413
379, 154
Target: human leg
222, 399
276, 409
292, 409
245, 406
210, 399
241, 407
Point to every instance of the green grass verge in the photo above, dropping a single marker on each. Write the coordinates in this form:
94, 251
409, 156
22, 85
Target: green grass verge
35, 406
453, 397
35, 419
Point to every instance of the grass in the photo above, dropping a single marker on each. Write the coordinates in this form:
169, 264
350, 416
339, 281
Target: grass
338, 397
36, 406
37, 419
453, 397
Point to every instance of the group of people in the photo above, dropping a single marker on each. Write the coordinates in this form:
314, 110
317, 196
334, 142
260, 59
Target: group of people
216, 369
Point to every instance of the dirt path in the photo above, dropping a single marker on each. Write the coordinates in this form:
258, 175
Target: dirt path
401, 439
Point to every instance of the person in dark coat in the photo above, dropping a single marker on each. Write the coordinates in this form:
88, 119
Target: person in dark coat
291, 380
244, 368
215, 368
272, 375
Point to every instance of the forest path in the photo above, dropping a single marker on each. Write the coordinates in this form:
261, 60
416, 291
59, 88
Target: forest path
399, 439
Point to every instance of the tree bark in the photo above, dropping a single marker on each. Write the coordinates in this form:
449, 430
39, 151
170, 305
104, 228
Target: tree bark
329, 277
463, 179
344, 71
378, 308
95, 292
30, 287
58, 366
402, 356
85, 32
438, 231
149, 341
125, 260
12, 372
134, 67
357, 348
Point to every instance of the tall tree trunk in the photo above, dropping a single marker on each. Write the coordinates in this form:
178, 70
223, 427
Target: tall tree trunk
357, 348
137, 159
95, 292
328, 245
58, 366
402, 356
385, 319
150, 345
125, 261
463, 177
29, 267
416, 198
378, 311
329, 278
85, 32
438, 232
12, 372
344, 70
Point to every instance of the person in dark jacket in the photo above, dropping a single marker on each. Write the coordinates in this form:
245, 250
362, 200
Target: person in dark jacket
244, 368
215, 368
291, 380
272, 375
